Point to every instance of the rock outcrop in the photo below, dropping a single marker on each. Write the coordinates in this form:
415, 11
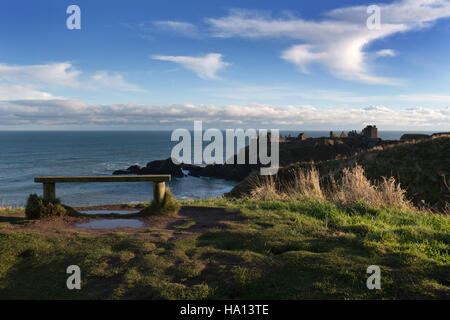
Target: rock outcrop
155, 167
226, 171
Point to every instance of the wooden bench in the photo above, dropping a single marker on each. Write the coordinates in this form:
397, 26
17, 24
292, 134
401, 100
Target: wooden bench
159, 186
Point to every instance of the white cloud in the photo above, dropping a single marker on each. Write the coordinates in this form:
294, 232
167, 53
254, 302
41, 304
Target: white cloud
242, 93
414, 13
58, 74
148, 29
386, 53
15, 92
425, 98
337, 42
302, 55
33, 81
35, 112
205, 67
177, 27
110, 80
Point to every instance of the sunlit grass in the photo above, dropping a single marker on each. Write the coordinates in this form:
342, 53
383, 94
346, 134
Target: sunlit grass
294, 249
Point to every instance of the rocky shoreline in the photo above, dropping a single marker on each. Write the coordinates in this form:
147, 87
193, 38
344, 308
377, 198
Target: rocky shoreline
233, 172
291, 150
297, 149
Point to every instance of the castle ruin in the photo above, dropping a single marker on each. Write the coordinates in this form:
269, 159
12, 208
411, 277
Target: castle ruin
370, 132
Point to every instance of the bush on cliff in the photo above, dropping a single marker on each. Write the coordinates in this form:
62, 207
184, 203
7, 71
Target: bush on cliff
352, 188
421, 167
37, 208
168, 206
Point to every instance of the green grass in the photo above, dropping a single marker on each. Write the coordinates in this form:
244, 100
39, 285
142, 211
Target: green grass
38, 208
9, 210
278, 250
186, 225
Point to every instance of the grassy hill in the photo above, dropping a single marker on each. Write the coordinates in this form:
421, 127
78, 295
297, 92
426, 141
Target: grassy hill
314, 239
421, 167
257, 250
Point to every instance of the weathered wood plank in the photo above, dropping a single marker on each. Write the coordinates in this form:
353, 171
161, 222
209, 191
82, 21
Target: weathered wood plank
159, 191
49, 192
128, 178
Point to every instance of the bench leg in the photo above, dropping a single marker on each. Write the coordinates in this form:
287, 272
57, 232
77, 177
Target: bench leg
49, 191
159, 190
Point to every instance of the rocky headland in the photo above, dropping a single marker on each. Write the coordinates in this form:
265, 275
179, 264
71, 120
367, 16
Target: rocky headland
419, 162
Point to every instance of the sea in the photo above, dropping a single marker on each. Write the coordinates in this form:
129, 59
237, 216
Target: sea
27, 154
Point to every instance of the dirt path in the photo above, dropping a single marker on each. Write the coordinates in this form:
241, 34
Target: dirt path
188, 221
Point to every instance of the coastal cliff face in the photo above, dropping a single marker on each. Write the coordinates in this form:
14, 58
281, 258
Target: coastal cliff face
323, 149
422, 167
312, 149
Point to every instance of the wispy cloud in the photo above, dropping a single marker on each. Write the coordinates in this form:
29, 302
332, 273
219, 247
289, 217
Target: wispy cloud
413, 13
337, 42
56, 74
386, 53
425, 98
63, 112
177, 27
206, 67
15, 92
115, 81
149, 29
242, 93
33, 81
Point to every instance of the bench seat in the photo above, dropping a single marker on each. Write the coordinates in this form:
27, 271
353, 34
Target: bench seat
159, 187
128, 178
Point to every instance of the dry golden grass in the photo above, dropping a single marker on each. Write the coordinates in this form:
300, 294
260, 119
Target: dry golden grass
447, 204
10, 209
305, 184
447, 209
392, 195
352, 187
264, 188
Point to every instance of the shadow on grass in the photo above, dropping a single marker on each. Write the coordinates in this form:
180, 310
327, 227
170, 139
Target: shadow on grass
201, 218
274, 245
13, 220
27, 279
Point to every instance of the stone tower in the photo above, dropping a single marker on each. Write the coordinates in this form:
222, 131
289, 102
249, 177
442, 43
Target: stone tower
370, 132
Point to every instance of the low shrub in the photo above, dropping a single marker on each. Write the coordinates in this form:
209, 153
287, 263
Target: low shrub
354, 186
351, 188
168, 206
264, 188
38, 208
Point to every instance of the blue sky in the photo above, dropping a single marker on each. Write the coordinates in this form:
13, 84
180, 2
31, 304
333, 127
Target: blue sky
278, 64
